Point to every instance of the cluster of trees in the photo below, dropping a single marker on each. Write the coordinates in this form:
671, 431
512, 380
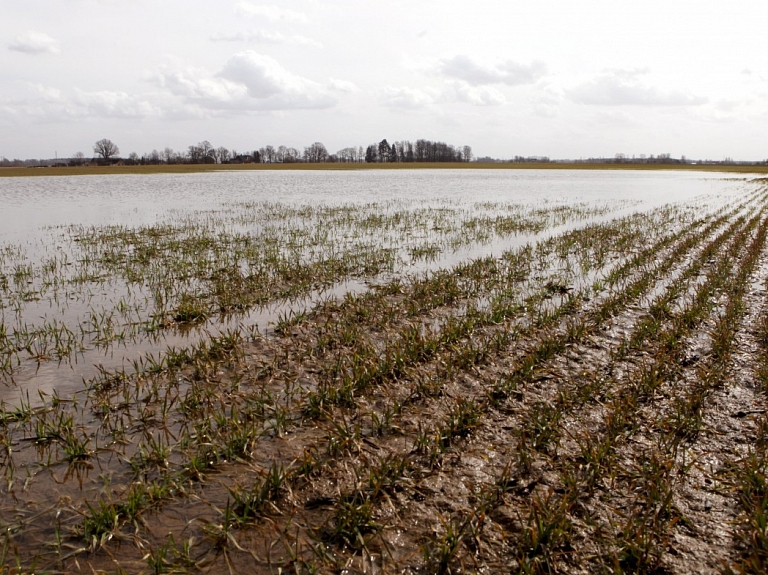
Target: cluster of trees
405, 151
658, 159
651, 159
206, 153
530, 159
201, 153
420, 151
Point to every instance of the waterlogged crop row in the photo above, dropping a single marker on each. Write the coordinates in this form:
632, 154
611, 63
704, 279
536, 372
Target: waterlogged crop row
89, 290
403, 427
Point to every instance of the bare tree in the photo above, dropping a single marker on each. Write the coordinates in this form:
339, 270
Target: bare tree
223, 155
348, 155
206, 152
168, 155
384, 151
195, 154
315, 153
105, 148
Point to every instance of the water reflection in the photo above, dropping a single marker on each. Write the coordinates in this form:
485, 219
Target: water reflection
37, 233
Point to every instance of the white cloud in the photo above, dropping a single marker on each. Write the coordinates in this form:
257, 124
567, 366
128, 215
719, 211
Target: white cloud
197, 85
344, 86
715, 116
247, 81
509, 72
271, 85
750, 77
729, 110
725, 105
107, 104
231, 37
548, 101
49, 94
271, 13
34, 43
266, 37
478, 96
624, 88
406, 98
52, 104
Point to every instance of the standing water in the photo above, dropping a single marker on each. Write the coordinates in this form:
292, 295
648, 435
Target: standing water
97, 272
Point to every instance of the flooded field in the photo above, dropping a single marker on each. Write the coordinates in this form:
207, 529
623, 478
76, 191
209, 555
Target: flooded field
384, 372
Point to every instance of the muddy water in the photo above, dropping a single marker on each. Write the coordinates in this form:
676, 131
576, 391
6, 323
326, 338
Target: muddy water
37, 210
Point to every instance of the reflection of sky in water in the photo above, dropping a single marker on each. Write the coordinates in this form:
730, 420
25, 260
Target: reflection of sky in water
31, 203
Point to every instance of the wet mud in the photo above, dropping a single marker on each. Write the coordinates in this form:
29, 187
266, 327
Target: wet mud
590, 402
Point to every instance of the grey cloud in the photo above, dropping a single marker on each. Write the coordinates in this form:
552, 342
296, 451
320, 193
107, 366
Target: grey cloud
623, 88
34, 43
509, 72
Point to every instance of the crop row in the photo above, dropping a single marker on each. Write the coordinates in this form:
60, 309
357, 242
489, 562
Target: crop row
411, 367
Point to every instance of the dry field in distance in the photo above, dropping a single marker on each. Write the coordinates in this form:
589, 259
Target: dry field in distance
192, 168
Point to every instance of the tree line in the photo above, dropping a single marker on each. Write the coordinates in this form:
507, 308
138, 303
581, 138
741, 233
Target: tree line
383, 152
107, 152
419, 151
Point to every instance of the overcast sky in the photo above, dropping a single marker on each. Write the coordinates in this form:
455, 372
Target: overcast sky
561, 78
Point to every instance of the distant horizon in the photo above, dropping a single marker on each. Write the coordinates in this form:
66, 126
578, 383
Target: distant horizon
635, 158
624, 157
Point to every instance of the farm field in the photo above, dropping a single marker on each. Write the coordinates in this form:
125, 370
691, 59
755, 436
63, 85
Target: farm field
446, 383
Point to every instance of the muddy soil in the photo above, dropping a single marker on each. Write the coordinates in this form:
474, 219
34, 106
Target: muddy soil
592, 405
